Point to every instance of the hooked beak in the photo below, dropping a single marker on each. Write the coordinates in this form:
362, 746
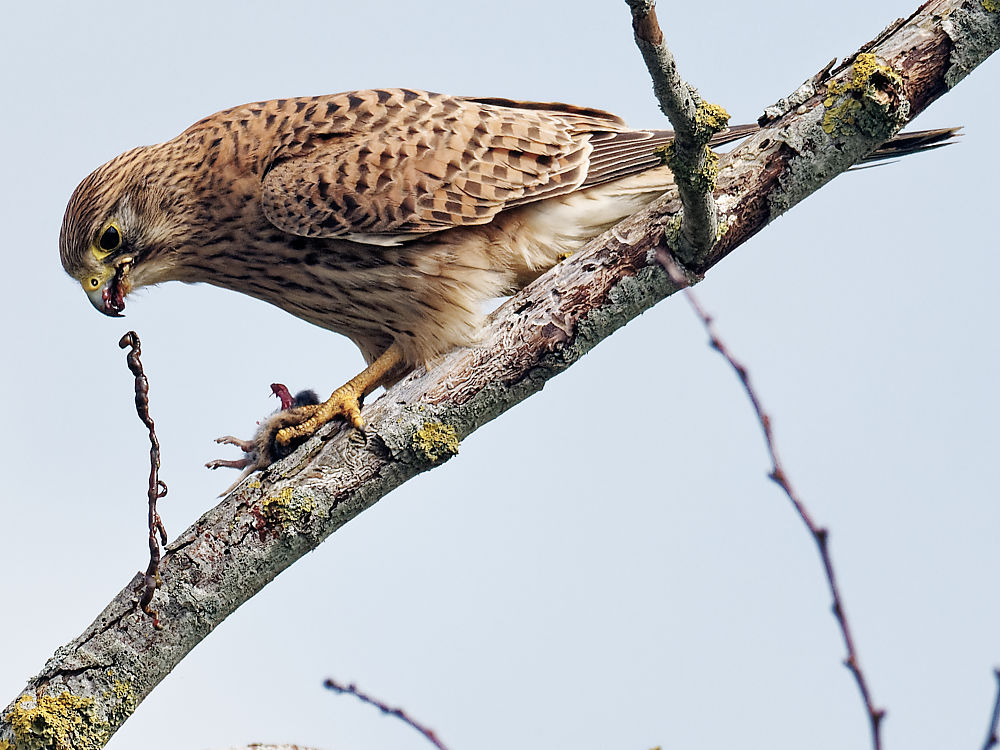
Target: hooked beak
109, 297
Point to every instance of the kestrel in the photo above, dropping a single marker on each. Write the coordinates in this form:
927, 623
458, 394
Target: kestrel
390, 216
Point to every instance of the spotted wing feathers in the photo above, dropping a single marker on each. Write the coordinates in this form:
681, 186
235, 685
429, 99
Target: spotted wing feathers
408, 163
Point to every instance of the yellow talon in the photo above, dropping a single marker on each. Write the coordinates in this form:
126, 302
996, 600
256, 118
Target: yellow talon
345, 401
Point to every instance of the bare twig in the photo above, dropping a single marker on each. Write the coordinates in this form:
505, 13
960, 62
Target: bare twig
157, 488
780, 477
388, 711
992, 740
694, 121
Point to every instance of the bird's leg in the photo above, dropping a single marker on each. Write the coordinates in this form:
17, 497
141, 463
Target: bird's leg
346, 400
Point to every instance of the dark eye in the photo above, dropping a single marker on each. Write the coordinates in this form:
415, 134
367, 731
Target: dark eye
111, 239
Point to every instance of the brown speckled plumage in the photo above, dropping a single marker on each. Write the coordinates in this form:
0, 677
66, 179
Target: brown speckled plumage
385, 215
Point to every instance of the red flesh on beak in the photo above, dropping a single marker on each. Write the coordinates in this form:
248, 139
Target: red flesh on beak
112, 297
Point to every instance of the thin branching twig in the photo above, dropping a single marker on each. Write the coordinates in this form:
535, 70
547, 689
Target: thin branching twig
157, 488
387, 710
992, 740
779, 476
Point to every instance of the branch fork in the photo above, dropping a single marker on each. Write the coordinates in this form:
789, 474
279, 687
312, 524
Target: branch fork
695, 121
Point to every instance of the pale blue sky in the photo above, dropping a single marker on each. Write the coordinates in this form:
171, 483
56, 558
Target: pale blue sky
574, 578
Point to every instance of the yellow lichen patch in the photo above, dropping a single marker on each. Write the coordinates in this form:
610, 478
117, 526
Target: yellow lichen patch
867, 66
56, 722
711, 169
722, 228
672, 230
871, 100
709, 119
435, 442
121, 700
991, 6
702, 179
287, 508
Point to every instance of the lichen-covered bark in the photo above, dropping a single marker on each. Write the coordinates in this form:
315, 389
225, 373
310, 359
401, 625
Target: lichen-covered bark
91, 685
693, 163
839, 116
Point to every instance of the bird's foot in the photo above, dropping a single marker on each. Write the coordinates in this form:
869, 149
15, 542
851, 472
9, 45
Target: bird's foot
344, 402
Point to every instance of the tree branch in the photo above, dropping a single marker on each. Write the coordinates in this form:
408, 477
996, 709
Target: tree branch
695, 122
991, 735
398, 713
91, 685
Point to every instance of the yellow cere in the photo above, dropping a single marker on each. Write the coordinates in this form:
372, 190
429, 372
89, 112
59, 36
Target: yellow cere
94, 282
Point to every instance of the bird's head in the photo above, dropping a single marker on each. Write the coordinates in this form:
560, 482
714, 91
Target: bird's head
119, 231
